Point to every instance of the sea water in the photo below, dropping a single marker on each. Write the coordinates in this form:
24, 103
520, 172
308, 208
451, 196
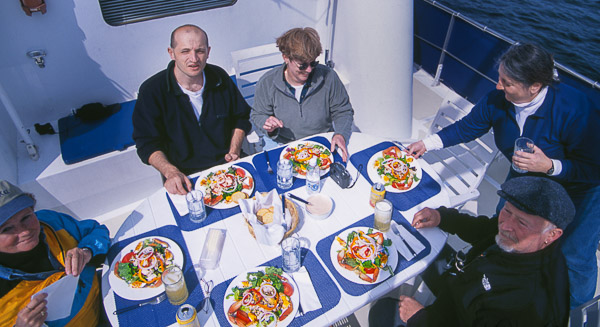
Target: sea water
566, 28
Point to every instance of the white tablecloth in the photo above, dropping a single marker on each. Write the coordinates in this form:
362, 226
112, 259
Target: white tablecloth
241, 252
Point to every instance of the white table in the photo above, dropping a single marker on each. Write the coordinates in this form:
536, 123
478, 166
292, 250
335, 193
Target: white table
241, 251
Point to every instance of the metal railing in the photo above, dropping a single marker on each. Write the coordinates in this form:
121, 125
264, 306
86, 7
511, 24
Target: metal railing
455, 15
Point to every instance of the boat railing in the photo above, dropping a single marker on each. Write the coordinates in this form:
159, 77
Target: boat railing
462, 53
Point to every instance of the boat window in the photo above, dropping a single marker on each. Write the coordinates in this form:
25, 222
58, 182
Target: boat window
121, 12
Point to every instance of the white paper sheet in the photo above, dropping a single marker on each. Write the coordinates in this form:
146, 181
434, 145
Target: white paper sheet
180, 203
308, 296
60, 297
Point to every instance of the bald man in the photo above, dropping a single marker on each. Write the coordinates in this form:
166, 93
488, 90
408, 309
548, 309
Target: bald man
190, 116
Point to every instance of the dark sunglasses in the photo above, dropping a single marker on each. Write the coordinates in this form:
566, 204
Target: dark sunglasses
304, 65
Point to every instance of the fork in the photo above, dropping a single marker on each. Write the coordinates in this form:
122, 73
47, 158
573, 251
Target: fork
269, 169
156, 300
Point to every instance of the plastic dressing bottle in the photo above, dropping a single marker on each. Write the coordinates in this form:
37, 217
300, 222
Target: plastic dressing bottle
313, 177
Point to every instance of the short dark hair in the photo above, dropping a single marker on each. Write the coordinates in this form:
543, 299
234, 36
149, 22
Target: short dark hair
528, 63
302, 44
172, 44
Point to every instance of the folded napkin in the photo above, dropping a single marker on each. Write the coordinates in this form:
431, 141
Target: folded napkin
414, 243
271, 233
180, 203
308, 296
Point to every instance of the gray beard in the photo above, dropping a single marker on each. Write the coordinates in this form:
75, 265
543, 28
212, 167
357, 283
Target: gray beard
504, 247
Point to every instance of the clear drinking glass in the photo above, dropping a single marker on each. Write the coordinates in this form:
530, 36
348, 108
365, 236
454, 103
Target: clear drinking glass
284, 174
195, 202
522, 144
383, 215
175, 286
290, 252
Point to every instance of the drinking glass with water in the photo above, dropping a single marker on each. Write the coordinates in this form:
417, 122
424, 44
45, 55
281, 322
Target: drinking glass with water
284, 174
195, 202
290, 253
522, 144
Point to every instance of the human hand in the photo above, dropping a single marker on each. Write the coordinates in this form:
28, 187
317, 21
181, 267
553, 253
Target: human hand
34, 313
536, 162
407, 307
426, 217
339, 141
231, 157
272, 124
416, 149
76, 259
177, 183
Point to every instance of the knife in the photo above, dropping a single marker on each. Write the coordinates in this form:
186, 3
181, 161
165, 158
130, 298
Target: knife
397, 232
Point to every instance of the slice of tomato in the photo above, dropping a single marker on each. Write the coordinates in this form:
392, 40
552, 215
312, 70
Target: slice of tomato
127, 257
240, 172
288, 289
369, 270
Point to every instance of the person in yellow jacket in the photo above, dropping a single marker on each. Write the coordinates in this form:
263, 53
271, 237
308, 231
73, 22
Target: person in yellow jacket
39, 248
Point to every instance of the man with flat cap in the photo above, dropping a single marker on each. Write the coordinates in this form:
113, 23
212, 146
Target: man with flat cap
515, 273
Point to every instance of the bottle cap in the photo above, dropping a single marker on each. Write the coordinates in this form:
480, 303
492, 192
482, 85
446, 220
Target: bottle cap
313, 161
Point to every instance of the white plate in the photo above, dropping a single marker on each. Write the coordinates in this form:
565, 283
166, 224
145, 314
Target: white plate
376, 178
237, 281
223, 205
293, 145
351, 275
121, 288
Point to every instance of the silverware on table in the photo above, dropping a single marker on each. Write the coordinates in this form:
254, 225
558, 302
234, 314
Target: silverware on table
153, 301
400, 145
397, 232
298, 198
269, 169
283, 205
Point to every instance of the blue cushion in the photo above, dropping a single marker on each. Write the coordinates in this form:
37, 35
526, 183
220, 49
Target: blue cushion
81, 140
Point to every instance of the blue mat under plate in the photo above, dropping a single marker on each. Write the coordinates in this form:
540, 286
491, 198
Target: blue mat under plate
270, 180
427, 188
328, 293
162, 314
324, 249
81, 140
214, 215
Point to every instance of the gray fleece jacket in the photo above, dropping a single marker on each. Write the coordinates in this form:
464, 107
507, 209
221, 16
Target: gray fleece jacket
325, 107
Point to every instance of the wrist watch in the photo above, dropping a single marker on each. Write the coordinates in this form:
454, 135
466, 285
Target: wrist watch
551, 170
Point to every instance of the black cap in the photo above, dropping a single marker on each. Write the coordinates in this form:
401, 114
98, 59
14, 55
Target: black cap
540, 196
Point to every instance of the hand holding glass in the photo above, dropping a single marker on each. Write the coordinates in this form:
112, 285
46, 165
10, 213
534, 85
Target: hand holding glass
522, 144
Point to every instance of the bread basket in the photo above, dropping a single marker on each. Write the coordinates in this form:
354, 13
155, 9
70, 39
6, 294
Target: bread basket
293, 211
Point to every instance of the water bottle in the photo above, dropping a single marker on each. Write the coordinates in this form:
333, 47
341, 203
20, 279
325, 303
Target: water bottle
313, 177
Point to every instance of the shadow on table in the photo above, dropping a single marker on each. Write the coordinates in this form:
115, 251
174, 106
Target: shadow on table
134, 218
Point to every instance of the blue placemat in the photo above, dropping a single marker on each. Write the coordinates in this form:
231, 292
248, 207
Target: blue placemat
427, 188
161, 314
270, 180
213, 215
329, 295
324, 248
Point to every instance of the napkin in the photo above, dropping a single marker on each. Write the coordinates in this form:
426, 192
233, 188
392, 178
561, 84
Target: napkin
414, 243
60, 297
308, 296
272, 233
180, 203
